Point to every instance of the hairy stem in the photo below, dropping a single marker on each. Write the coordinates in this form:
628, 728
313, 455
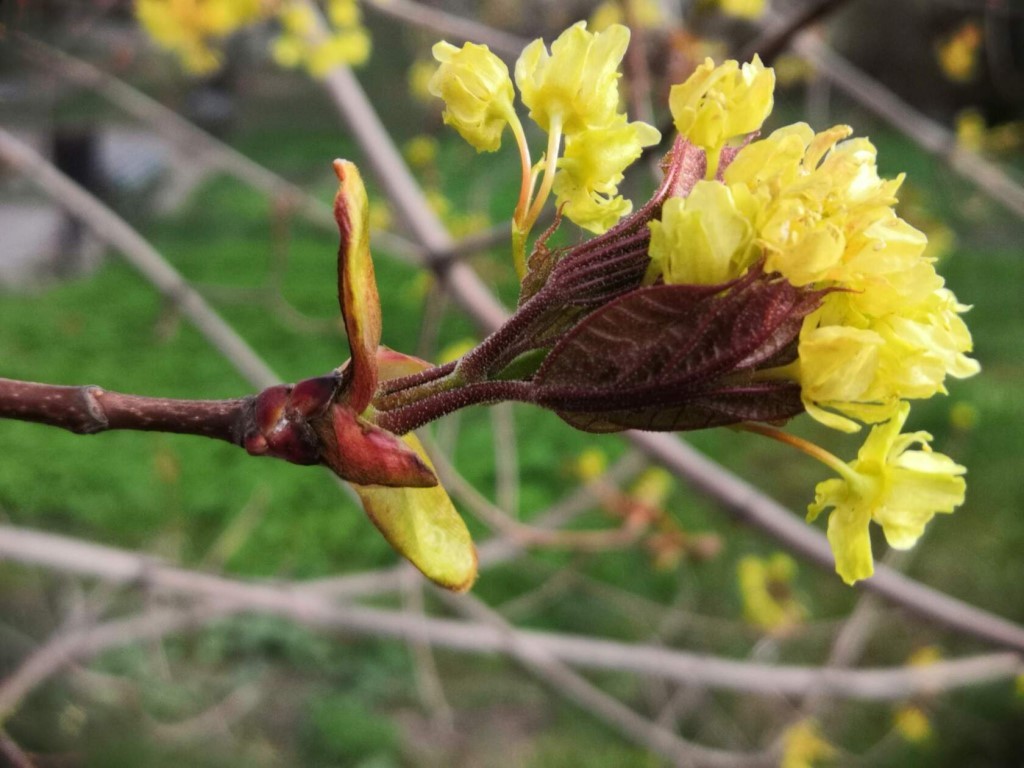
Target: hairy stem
427, 409
90, 409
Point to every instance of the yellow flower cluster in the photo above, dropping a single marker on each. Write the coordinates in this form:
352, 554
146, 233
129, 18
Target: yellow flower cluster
192, 29
572, 93
813, 208
889, 330
195, 30
300, 44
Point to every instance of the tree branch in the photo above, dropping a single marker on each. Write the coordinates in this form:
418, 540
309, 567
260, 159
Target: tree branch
222, 596
89, 409
112, 229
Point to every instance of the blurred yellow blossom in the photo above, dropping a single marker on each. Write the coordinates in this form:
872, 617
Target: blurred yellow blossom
973, 133
959, 53
645, 14
970, 130
421, 151
300, 44
963, 416
418, 77
911, 723
803, 746
194, 29
591, 464
925, 655
766, 588
455, 350
897, 488
653, 487
743, 9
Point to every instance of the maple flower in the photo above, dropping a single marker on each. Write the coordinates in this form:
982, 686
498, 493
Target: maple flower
888, 330
766, 590
702, 239
897, 488
804, 747
575, 86
191, 28
477, 92
591, 169
718, 103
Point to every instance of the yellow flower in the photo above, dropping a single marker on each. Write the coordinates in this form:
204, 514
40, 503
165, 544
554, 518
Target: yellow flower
590, 171
716, 104
575, 87
646, 14
824, 218
970, 130
193, 28
343, 13
803, 746
418, 77
766, 591
899, 489
743, 9
958, 55
421, 151
912, 724
288, 51
347, 46
477, 93
702, 238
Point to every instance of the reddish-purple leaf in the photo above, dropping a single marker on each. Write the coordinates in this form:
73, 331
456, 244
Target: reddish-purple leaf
679, 357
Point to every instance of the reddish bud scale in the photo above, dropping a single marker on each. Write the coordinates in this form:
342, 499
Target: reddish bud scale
282, 420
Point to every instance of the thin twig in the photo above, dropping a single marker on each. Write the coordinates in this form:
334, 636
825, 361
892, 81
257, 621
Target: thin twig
428, 680
760, 511
589, 697
522, 533
232, 708
68, 646
780, 29
14, 754
506, 45
139, 254
87, 410
918, 127
222, 595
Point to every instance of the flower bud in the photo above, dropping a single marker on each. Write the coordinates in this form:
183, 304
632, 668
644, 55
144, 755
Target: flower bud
477, 92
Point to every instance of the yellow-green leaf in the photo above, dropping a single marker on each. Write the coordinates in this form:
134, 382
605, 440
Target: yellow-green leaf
423, 526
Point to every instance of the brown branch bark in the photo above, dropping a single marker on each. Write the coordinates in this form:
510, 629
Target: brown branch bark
88, 409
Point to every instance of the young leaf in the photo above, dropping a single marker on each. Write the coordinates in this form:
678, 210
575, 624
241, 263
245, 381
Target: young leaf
424, 527
672, 357
357, 285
